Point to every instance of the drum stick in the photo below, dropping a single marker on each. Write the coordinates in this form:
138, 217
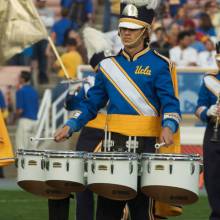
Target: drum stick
159, 145
41, 138
71, 81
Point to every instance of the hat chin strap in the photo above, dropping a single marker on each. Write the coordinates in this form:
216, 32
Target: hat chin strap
136, 40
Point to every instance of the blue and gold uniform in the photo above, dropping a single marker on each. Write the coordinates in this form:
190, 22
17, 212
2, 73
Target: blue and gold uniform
208, 94
144, 89
142, 115
140, 95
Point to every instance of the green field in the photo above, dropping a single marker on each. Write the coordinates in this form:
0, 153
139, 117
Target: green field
18, 205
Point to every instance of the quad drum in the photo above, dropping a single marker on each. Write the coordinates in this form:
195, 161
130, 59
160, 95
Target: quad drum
169, 178
31, 174
65, 170
113, 175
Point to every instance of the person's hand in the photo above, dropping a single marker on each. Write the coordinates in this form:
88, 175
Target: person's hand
62, 134
166, 136
213, 110
73, 89
218, 110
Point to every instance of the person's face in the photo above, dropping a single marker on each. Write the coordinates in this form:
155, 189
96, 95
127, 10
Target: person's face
131, 35
75, 35
160, 34
175, 29
185, 42
209, 45
41, 4
20, 80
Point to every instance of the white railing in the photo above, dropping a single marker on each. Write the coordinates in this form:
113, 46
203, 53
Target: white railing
43, 117
48, 115
58, 113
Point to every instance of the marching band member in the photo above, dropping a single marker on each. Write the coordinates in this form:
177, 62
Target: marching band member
208, 109
138, 87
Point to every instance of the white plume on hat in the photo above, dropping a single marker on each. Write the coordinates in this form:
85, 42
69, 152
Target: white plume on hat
96, 42
150, 4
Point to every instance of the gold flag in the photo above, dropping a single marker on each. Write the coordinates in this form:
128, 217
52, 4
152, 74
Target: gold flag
20, 25
6, 151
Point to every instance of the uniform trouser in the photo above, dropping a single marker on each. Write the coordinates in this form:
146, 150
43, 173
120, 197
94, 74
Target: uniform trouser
211, 156
25, 130
141, 207
59, 209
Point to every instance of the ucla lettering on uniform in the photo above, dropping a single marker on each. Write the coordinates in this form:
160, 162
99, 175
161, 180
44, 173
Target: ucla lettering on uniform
143, 70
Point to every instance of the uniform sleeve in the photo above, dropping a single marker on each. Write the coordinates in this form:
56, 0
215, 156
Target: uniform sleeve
170, 107
72, 102
19, 100
203, 103
88, 6
2, 101
97, 99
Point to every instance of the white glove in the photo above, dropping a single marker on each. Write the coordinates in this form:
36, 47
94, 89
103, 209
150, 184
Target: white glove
73, 88
212, 111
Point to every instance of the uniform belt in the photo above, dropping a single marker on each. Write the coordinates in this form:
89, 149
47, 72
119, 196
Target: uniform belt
120, 141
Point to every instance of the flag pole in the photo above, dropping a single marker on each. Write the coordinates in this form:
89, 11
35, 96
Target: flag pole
58, 57
51, 44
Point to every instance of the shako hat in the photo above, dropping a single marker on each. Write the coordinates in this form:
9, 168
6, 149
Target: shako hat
137, 14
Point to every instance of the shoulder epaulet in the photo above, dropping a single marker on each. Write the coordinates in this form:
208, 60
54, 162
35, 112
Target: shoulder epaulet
170, 63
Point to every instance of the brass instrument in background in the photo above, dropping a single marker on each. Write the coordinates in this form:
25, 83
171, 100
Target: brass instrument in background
215, 136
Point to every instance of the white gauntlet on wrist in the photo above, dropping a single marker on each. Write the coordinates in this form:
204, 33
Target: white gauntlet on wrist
212, 111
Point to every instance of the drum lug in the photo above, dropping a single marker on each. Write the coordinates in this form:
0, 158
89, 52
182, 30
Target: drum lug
93, 167
42, 163
22, 163
192, 168
149, 167
16, 162
47, 165
67, 165
140, 170
112, 168
85, 166
131, 167
171, 168
201, 168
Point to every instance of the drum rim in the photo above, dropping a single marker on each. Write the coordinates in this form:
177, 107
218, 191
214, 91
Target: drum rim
112, 156
64, 154
179, 157
30, 152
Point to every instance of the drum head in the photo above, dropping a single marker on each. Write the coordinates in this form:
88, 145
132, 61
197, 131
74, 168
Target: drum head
30, 152
170, 157
113, 191
66, 186
112, 156
170, 194
40, 188
64, 154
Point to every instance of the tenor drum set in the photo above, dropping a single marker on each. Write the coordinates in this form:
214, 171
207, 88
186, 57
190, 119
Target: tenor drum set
170, 178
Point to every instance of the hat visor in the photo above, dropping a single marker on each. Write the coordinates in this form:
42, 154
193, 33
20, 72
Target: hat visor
130, 25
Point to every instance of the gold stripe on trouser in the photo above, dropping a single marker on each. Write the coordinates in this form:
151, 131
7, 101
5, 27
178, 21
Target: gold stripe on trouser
165, 209
151, 209
98, 147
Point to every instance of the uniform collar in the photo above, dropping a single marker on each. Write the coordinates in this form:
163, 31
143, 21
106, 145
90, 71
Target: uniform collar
136, 56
